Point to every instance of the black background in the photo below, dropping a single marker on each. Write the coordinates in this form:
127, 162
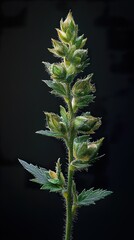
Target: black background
26, 28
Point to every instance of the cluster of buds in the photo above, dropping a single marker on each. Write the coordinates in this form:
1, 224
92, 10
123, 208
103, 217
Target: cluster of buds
57, 177
70, 49
55, 181
85, 150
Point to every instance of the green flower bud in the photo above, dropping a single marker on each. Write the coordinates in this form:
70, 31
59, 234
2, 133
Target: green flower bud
54, 123
60, 49
85, 150
87, 123
78, 41
78, 57
68, 30
93, 148
80, 148
68, 23
83, 87
81, 53
59, 173
62, 36
53, 174
58, 72
83, 43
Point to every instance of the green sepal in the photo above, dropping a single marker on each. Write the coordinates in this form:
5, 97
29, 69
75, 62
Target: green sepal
38, 172
62, 36
58, 87
81, 102
58, 72
55, 124
78, 41
59, 173
82, 139
83, 43
49, 133
51, 187
93, 149
54, 181
86, 123
79, 165
83, 87
60, 49
48, 67
85, 150
64, 115
86, 198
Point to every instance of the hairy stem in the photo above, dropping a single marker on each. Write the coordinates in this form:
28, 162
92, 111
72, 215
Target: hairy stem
69, 217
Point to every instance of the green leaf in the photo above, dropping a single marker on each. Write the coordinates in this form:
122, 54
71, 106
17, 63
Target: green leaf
37, 172
90, 196
58, 88
49, 133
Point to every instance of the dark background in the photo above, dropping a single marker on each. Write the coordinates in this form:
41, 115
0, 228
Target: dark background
26, 28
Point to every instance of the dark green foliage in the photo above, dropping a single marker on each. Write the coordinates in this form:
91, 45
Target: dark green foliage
86, 198
38, 172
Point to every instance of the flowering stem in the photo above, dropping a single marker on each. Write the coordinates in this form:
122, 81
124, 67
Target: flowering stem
69, 217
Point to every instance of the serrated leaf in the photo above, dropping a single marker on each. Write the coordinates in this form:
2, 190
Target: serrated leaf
90, 196
38, 172
58, 88
49, 133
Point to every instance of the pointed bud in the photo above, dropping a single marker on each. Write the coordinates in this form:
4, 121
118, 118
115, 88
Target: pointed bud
83, 87
53, 121
47, 66
59, 173
58, 72
69, 28
87, 124
80, 148
62, 36
83, 43
86, 150
60, 49
78, 41
94, 147
52, 174
68, 23
62, 25
55, 124
81, 53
